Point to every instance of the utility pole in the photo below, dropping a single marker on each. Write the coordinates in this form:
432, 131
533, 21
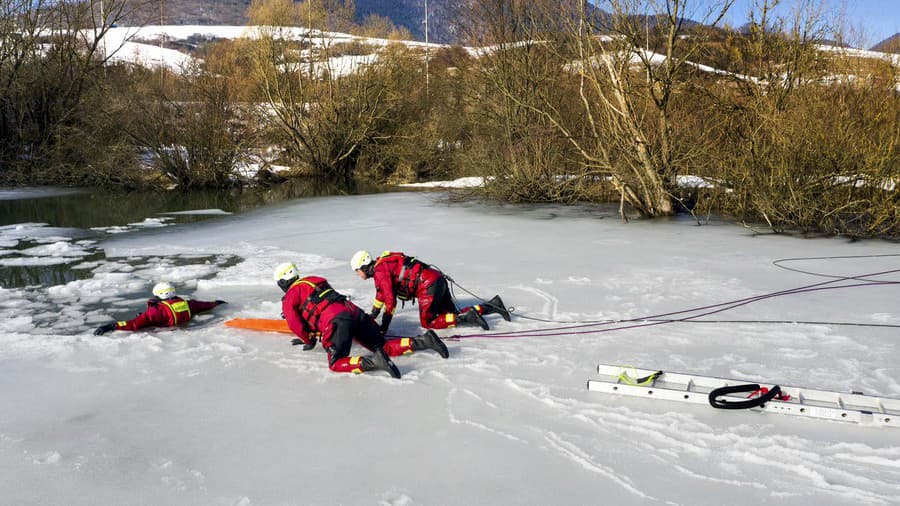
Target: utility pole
162, 67
102, 28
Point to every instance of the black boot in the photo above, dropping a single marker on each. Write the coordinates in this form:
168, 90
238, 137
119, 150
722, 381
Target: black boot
431, 341
474, 317
496, 306
381, 362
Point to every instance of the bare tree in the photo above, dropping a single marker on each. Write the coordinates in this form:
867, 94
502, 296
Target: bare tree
631, 62
326, 114
52, 59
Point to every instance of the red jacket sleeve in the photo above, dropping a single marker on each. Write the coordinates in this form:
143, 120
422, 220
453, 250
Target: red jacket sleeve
152, 317
289, 306
198, 306
384, 289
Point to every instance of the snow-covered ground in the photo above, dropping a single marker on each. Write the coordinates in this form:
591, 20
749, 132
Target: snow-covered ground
140, 45
213, 415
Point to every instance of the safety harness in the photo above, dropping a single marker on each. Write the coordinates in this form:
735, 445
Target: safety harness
180, 309
321, 297
410, 277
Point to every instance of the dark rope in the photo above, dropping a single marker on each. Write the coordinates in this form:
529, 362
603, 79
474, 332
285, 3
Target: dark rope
753, 402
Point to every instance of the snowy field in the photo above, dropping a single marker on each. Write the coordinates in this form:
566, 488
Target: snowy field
213, 415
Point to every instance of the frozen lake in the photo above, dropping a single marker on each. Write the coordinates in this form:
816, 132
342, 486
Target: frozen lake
214, 415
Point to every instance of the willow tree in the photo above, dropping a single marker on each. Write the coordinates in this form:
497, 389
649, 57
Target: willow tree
53, 57
326, 111
624, 62
631, 62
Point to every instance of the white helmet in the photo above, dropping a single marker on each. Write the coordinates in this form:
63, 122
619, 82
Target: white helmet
360, 259
164, 290
285, 275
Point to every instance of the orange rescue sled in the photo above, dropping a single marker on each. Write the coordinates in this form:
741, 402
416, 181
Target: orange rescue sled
263, 324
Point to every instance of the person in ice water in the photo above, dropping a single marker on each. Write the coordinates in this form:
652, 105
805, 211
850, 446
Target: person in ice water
164, 309
313, 309
400, 276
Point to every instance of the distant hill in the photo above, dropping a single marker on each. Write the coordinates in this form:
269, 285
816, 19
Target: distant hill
889, 45
409, 14
403, 13
198, 12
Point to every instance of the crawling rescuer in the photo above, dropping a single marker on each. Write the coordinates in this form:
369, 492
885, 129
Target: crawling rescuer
164, 309
312, 308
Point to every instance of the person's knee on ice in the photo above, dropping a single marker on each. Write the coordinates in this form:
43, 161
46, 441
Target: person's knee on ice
397, 275
313, 308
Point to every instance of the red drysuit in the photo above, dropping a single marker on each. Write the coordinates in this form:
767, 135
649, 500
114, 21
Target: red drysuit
312, 308
166, 313
399, 276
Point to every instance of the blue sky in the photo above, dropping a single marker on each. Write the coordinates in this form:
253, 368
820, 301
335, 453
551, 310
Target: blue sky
878, 19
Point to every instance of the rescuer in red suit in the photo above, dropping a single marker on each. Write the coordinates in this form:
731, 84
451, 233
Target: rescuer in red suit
400, 276
165, 309
313, 309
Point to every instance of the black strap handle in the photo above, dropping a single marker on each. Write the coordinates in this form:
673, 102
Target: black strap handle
715, 402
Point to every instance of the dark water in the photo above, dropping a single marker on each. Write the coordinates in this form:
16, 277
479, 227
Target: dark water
98, 208
82, 210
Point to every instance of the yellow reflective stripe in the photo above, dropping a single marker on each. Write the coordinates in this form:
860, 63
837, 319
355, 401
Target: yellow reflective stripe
405, 341
378, 304
355, 361
477, 308
121, 324
323, 293
181, 306
449, 317
381, 257
174, 314
304, 282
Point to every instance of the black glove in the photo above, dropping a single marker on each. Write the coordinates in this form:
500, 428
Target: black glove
374, 313
103, 329
306, 347
386, 322
220, 302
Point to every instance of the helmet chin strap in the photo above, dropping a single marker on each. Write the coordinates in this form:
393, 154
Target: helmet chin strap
285, 284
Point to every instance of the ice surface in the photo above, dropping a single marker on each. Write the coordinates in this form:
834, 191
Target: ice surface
57, 248
36, 261
210, 212
213, 415
35, 193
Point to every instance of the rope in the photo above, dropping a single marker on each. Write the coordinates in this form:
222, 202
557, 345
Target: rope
660, 319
